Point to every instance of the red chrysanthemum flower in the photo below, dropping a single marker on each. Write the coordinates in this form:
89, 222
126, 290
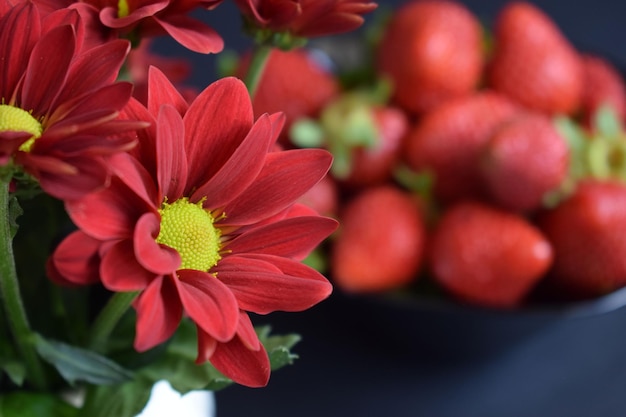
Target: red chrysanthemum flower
306, 18
201, 219
141, 19
59, 106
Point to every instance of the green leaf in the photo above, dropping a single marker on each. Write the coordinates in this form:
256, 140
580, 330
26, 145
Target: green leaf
278, 347
124, 400
177, 365
77, 364
31, 404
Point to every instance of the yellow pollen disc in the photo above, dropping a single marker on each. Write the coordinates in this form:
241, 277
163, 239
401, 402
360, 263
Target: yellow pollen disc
122, 8
189, 229
14, 119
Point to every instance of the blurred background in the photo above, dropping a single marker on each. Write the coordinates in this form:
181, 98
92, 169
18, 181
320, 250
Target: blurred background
362, 356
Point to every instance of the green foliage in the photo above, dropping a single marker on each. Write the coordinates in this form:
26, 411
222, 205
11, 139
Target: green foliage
77, 364
33, 404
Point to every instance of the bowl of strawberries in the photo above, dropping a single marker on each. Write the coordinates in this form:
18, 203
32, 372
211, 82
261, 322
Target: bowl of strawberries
478, 170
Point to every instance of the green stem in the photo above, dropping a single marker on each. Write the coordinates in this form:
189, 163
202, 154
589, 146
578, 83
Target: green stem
259, 59
109, 317
11, 298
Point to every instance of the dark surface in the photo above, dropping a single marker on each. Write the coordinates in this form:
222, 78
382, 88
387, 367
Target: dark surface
365, 358
359, 358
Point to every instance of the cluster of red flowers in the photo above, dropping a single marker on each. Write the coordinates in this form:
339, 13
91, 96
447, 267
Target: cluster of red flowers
190, 204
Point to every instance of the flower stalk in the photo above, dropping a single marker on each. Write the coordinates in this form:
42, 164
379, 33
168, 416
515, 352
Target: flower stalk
11, 298
259, 59
108, 318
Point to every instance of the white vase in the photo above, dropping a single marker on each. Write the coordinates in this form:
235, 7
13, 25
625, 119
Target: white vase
166, 402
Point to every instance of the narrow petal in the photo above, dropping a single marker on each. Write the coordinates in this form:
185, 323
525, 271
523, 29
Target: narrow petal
76, 259
96, 108
48, 66
216, 123
247, 367
107, 214
206, 345
120, 270
151, 255
192, 34
287, 238
240, 170
246, 332
136, 178
16, 44
162, 91
95, 68
171, 157
159, 312
109, 16
286, 176
88, 175
209, 303
259, 289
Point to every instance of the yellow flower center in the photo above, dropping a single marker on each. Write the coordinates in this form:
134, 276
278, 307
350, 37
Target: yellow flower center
122, 8
14, 119
189, 229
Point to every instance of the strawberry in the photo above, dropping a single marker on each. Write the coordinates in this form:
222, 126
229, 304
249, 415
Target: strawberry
380, 241
603, 85
294, 83
447, 142
524, 160
588, 233
373, 165
533, 62
487, 256
323, 197
432, 51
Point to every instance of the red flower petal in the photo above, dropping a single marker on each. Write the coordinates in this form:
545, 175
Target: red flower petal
121, 272
246, 332
95, 68
117, 208
216, 123
247, 367
260, 289
88, 175
47, 69
76, 259
154, 257
136, 178
192, 34
16, 44
162, 91
171, 157
288, 238
159, 312
286, 176
241, 168
209, 303
109, 16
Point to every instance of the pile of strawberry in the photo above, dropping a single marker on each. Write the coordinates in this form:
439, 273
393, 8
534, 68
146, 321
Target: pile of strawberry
493, 170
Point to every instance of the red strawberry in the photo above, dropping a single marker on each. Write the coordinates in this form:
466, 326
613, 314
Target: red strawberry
323, 197
373, 165
487, 256
603, 84
525, 159
447, 142
293, 83
380, 242
533, 62
588, 233
431, 51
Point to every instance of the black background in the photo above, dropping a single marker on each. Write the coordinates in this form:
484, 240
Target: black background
361, 357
